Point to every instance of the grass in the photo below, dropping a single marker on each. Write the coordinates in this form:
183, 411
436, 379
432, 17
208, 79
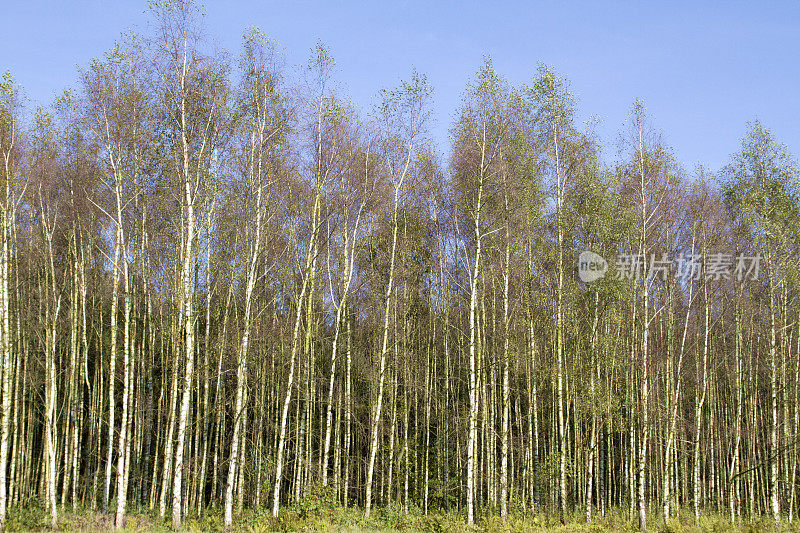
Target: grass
318, 514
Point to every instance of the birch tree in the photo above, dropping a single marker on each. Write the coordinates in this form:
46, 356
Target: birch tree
403, 112
12, 187
263, 128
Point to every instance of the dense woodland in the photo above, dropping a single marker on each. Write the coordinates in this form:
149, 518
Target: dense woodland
224, 286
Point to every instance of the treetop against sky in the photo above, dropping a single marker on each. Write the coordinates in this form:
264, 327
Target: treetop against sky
703, 69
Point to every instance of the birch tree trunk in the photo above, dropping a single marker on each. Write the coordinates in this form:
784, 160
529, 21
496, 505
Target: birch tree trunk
7, 221
52, 310
310, 261
773, 385
643, 251
506, 399
376, 416
241, 367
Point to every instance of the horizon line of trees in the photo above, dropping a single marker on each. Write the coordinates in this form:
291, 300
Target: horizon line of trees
222, 287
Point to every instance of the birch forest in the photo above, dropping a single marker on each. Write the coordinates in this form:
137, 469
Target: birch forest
227, 291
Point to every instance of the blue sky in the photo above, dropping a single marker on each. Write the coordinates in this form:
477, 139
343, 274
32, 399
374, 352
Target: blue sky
702, 68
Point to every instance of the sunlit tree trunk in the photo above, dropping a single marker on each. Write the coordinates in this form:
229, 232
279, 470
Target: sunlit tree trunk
7, 221
241, 366
376, 414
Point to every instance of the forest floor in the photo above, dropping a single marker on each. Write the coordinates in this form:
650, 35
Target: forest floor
390, 519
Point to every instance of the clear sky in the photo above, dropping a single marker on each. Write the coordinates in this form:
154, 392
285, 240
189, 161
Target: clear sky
702, 68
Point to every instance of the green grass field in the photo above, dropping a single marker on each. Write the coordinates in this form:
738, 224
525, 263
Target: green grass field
304, 517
